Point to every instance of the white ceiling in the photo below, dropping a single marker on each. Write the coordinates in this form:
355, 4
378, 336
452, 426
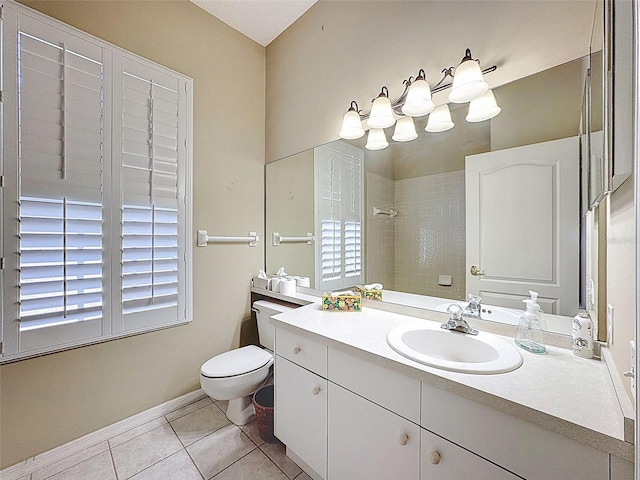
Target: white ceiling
260, 20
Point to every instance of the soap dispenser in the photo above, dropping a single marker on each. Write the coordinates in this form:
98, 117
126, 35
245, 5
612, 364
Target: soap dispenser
529, 334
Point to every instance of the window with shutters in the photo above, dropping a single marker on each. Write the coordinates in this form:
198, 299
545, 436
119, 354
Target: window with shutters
96, 214
338, 170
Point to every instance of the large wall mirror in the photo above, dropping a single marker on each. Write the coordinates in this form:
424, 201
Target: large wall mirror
434, 207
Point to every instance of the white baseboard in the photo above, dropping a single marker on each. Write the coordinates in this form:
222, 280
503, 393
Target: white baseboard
73, 447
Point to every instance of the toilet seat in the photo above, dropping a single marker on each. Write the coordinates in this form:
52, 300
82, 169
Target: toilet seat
236, 362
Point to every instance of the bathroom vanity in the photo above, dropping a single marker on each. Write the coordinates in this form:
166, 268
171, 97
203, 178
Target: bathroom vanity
348, 407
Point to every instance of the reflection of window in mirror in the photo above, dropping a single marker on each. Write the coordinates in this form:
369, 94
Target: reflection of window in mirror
339, 191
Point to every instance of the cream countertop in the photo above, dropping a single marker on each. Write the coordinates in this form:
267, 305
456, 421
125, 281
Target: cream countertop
571, 396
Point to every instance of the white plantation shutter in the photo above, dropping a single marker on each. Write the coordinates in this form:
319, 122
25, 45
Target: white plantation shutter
152, 255
96, 219
60, 155
339, 191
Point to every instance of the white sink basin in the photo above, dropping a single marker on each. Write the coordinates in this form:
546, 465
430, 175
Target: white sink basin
487, 312
483, 353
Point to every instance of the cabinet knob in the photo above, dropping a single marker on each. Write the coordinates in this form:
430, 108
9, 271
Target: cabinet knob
403, 439
434, 457
296, 350
316, 390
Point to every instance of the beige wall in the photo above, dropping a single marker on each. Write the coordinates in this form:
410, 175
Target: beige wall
542, 107
53, 399
289, 187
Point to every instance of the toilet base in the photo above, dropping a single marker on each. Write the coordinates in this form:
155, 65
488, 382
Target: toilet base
240, 411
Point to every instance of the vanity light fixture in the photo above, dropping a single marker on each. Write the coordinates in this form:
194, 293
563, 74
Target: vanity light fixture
483, 108
440, 120
467, 84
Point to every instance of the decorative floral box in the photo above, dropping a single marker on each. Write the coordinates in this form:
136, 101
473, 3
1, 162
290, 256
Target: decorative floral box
342, 302
371, 294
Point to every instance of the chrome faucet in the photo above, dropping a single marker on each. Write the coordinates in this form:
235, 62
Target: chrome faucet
456, 322
472, 310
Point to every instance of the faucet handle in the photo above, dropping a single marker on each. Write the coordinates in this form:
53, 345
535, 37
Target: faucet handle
474, 298
454, 311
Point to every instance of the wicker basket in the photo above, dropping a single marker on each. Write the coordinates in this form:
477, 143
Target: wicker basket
263, 404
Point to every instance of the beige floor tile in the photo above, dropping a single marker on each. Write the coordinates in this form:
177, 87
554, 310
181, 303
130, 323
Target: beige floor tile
217, 451
178, 466
198, 424
134, 432
99, 467
251, 430
254, 466
277, 453
222, 404
70, 461
192, 407
141, 452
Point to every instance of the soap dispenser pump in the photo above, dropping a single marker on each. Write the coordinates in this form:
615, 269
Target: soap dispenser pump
529, 336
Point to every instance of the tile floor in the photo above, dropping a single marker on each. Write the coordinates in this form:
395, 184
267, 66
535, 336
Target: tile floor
196, 442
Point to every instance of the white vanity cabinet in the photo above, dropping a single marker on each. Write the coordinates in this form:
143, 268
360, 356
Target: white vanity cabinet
344, 417
301, 400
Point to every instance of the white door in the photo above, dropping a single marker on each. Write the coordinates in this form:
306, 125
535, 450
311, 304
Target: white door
522, 213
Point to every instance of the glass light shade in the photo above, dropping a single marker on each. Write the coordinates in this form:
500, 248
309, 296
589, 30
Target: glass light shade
351, 126
468, 83
418, 102
405, 130
381, 114
440, 120
483, 108
376, 140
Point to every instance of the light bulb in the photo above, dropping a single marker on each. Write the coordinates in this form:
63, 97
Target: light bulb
483, 108
376, 140
351, 124
468, 83
440, 120
405, 130
418, 102
381, 114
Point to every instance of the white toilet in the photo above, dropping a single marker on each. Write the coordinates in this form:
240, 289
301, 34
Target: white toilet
235, 375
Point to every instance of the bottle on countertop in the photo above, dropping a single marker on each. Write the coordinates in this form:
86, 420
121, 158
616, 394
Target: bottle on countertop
529, 335
582, 333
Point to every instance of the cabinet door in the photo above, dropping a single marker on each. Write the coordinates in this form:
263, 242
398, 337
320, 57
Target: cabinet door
443, 460
369, 442
301, 413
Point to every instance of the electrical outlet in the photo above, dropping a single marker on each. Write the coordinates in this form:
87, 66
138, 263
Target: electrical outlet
609, 324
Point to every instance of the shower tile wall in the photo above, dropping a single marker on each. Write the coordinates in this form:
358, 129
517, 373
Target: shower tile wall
380, 235
430, 234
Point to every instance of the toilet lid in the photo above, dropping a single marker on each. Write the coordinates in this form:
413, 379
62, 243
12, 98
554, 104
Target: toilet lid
236, 362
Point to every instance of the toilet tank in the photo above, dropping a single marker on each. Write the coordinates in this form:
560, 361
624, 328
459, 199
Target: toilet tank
264, 310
